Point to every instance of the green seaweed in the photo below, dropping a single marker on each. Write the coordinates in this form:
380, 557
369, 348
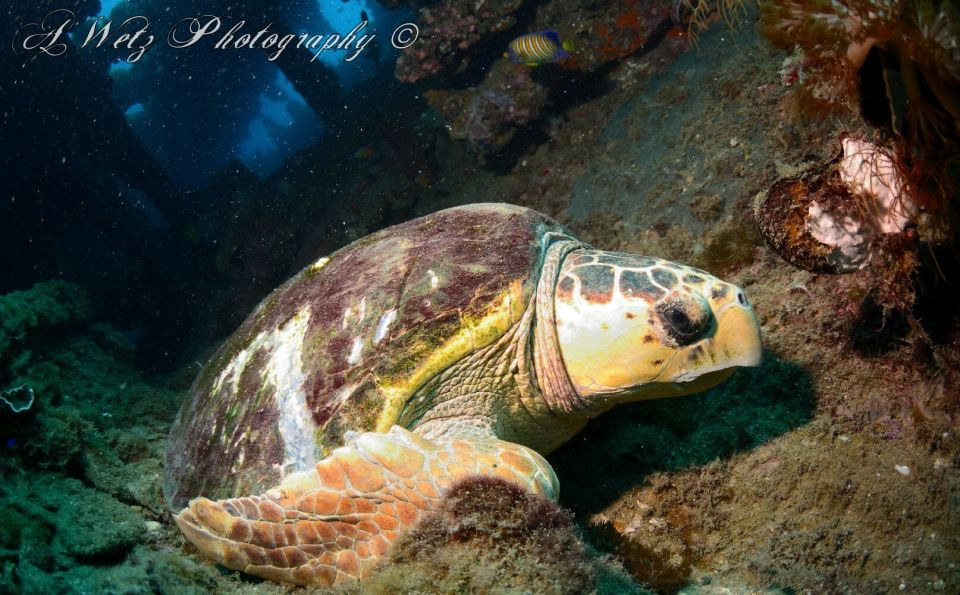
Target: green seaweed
80, 468
26, 316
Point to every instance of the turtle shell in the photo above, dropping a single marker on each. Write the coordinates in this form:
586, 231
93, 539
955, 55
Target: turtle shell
343, 344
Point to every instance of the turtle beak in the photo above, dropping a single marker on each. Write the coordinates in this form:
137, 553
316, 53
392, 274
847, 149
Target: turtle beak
737, 341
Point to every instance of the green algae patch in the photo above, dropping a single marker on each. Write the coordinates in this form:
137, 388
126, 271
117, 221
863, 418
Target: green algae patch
79, 471
97, 528
41, 309
72, 364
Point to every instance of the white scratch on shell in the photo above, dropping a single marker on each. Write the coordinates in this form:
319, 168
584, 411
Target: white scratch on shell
434, 279
284, 371
356, 352
235, 368
384, 325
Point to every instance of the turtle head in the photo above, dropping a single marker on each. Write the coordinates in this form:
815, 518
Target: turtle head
633, 327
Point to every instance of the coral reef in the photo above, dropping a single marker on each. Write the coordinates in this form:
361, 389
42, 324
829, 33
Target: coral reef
38, 311
684, 193
81, 465
490, 535
70, 363
487, 116
753, 407
60, 536
31, 319
751, 496
510, 97
898, 63
448, 32
701, 490
836, 39
700, 14
118, 528
606, 33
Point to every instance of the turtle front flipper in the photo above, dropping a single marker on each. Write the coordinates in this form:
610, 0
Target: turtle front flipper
334, 523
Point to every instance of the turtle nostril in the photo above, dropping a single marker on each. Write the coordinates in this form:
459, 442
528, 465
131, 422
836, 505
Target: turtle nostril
742, 298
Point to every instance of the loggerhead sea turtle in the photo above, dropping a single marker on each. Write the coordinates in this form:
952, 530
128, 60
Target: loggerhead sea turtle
469, 341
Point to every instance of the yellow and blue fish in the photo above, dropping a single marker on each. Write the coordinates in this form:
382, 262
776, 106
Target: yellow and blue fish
542, 47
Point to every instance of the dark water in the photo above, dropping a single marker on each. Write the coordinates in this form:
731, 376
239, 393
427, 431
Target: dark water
166, 166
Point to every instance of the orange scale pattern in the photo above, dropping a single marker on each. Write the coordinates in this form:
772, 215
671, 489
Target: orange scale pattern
338, 522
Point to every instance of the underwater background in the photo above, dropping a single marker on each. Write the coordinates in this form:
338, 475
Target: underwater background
152, 195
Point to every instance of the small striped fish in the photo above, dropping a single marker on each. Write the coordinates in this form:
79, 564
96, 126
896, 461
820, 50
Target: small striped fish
538, 48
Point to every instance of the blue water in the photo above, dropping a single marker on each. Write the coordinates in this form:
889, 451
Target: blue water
260, 119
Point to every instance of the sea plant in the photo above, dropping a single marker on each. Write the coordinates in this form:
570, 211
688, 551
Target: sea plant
701, 13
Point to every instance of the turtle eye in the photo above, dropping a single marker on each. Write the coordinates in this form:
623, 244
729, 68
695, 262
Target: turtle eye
684, 320
680, 321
